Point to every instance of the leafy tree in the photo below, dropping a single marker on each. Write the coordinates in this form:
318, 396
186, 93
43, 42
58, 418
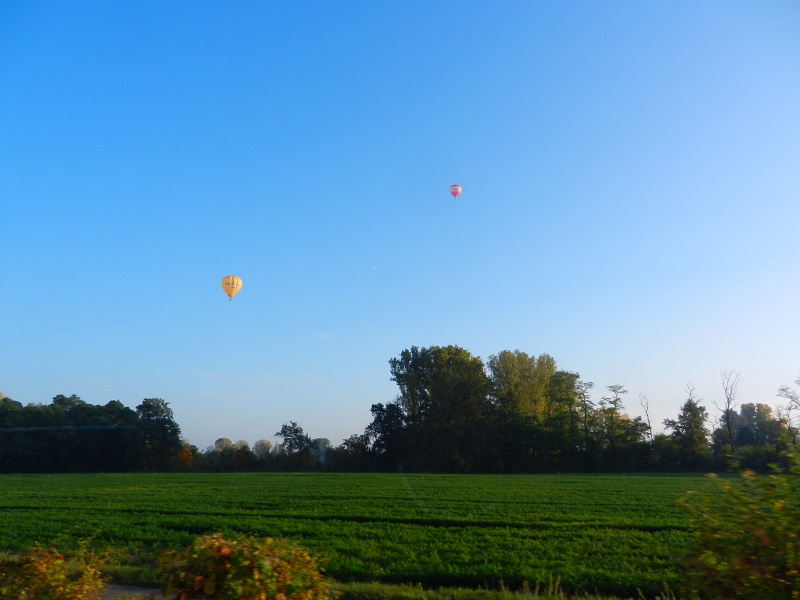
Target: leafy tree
588, 423
161, 434
11, 417
226, 456
411, 371
690, 434
757, 427
387, 435
611, 413
354, 454
459, 395
563, 419
625, 439
519, 398
520, 381
758, 438
296, 444
185, 458
444, 395
262, 449
665, 453
294, 438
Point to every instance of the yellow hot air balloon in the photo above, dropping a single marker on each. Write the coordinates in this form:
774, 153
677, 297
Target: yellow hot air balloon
231, 285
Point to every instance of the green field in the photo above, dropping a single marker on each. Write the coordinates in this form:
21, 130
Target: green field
611, 533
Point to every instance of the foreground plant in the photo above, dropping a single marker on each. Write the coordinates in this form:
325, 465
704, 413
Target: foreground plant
748, 536
44, 574
242, 568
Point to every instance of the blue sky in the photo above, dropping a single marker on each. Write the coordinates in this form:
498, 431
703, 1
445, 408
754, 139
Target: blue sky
631, 176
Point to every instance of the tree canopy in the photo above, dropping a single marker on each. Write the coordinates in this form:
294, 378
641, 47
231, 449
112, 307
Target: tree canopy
70, 435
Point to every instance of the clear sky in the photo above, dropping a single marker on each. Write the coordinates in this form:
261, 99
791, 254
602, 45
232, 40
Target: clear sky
631, 177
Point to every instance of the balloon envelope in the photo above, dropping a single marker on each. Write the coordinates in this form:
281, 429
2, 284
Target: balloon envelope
231, 285
455, 190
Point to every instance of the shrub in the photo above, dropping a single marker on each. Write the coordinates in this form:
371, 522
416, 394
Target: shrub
748, 536
44, 574
242, 568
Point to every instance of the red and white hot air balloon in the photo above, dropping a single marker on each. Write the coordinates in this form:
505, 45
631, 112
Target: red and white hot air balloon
455, 190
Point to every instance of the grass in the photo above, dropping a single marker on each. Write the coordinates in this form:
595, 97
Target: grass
378, 591
609, 534
385, 591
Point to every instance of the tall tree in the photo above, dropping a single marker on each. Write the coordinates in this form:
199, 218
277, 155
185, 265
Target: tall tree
588, 423
296, 444
563, 419
521, 381
611, 411
444, 395
388, 436
459, 401
689, 432
160, 432
644, 402
294, 438
730, 386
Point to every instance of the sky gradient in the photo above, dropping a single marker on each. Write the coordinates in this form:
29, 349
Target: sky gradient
631, 199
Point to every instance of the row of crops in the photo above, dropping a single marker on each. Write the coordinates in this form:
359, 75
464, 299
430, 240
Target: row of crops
610, 533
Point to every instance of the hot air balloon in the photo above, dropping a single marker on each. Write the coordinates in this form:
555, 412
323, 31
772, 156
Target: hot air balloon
231, 285
455, 190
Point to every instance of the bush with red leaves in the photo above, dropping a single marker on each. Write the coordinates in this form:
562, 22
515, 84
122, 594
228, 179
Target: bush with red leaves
242, 568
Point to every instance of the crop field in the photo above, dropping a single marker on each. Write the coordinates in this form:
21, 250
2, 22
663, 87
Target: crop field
610, 533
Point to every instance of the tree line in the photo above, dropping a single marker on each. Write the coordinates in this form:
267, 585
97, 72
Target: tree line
70, 435
514, 413
518, 413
